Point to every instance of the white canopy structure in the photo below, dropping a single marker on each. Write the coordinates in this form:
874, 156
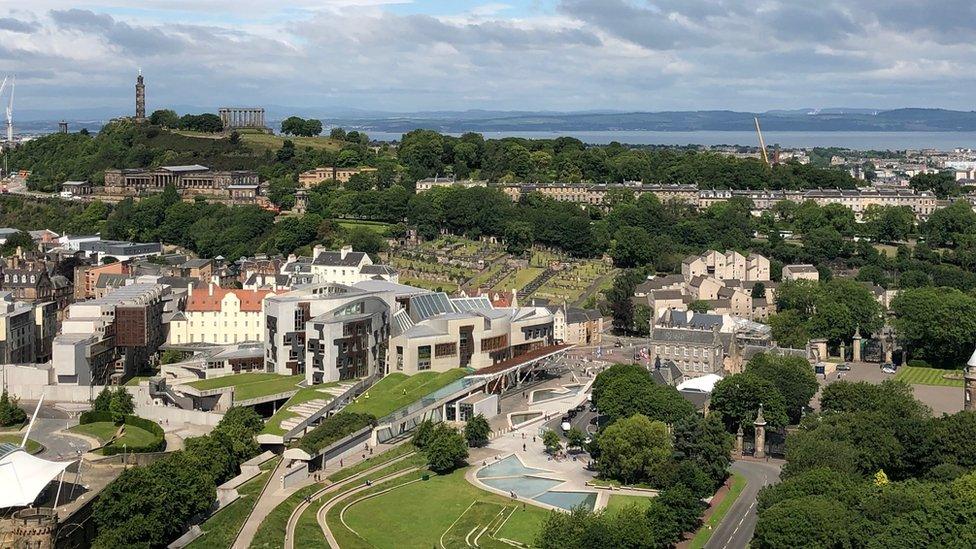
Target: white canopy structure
24, 476
703, 383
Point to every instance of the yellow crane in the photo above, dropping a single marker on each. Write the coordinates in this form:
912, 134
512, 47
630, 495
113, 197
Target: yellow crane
762, 143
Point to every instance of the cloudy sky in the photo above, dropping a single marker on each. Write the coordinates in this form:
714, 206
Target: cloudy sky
409, 55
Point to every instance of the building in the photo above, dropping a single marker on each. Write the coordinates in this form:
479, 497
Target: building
191, 180
26, 330
119, 250
431, 182
331, 332
140, 98
701, 344
27, 279
344, 266
317, 176
201, 269
435, 333
235, 118
77, 188
577, 326
107, 340
800, 272
219, 316
729, 265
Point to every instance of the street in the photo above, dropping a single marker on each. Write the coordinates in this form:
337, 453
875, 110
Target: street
735, 530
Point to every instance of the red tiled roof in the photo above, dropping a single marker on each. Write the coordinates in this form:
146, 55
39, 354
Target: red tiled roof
201, 300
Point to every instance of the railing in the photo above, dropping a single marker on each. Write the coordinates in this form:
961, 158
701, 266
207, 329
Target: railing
346, 396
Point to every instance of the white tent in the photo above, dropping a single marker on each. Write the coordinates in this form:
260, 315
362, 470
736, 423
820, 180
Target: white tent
703, 383
24, 476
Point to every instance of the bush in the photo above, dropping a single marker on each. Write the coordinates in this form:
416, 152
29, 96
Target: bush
918, 363
333, 429
446, 450
158, 444
10, 413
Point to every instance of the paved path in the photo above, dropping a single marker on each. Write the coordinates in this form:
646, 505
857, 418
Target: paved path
735, 530
274, 494
323, 511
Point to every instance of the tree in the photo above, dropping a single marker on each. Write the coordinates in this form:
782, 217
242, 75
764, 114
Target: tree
705, 442
737, 398
10, 413
789, 329
518, 237
121, 404
631, 448
792, 376
164, 117
698, 306
552, 442
477, 431
627, 389
240, 425
423, 433
938, 324
946, 225
338, 134
363, 239
575, 438
206, 122
631, 247
103, 401
943, 184
806, 522
21, 240
446, 450
759, 291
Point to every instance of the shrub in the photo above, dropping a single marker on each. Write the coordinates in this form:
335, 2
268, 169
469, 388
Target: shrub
333, 429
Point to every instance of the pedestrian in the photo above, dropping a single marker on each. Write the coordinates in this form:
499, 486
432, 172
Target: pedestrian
523, 447
340, 463
533, 439
370, 451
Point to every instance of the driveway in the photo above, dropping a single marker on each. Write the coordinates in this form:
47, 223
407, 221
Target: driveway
735, 530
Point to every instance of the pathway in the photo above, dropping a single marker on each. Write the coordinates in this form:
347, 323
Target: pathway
735, 530
593, 288
305, 410
322, 514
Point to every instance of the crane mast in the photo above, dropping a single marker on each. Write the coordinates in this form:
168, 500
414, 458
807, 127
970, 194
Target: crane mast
762, 143
10, 113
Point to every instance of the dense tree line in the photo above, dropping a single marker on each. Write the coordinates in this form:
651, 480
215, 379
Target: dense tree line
874, 469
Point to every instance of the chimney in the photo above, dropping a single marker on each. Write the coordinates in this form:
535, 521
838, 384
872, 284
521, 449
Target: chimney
317, 250
189, 290
210, 289
345, 251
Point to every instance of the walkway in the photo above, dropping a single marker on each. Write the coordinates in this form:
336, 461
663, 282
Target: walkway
305, 410
274, 494
735, 530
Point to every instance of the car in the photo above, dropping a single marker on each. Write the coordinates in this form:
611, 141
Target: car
844, 367
888, 368
581, 408
564, 419
592, 407
566, 426
571, 413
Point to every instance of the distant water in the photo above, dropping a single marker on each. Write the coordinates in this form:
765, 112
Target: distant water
848, 140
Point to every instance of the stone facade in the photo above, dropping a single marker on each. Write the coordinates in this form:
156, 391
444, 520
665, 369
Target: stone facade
188, 180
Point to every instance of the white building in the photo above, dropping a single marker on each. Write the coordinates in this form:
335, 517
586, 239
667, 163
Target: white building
339, 267
219, 315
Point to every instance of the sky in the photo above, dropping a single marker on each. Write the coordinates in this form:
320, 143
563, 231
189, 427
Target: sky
557, 55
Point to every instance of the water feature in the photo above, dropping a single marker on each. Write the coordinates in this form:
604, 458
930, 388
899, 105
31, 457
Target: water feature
542, 395
525, 486
518, 418
508, 467
568, 500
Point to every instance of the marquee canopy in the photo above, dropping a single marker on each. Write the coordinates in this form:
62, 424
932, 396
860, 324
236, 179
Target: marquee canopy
24, 476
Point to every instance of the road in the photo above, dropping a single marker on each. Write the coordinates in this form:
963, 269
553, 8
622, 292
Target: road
735, 530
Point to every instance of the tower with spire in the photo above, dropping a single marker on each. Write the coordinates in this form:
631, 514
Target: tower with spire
140, 98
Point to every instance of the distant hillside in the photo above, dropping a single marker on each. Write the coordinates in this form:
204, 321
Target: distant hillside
899, 120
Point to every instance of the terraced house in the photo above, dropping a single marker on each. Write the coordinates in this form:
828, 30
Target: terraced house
219, 315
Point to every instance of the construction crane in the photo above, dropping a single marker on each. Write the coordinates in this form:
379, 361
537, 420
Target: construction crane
762, 142
10, 112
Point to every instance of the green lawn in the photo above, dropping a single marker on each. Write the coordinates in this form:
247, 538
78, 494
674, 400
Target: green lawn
386, 456
432, 285
518, 279
134, 382
915, 375
398, 390
252, 384
305, 394
261, 142
705, 532
375, 226
421, 512
33, 446
220, 530
105, 430
619, 501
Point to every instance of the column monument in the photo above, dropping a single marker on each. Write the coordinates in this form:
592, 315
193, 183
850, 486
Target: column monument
760, 425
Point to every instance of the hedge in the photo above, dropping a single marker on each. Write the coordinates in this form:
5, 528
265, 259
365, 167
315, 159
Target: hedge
157, 445
333, 429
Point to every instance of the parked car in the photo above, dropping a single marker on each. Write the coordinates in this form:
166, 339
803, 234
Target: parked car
888, 368
566, 427
581, 408
844, 367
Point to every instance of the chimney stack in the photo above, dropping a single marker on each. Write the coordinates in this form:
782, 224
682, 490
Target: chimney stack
345, 251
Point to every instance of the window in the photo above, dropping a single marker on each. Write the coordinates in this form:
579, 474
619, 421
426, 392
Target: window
445, 349
423, 358
493, 343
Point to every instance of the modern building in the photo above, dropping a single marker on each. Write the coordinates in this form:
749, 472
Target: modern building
119, 250
188, 180
314, 177
106, 340
219, 316
87, 276
800, 272
729, 265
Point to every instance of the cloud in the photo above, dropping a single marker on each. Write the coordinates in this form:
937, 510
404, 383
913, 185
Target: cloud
520, 54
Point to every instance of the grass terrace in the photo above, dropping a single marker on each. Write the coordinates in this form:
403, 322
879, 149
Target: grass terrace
33, 446
220, 530
103, 431
398, 390
375, 226
251, 385
433, 285
135, 381
915, 375
444, 509
305, 394
518, 279
619, 501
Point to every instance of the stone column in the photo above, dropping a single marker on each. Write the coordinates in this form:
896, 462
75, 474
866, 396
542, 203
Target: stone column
857, 346
738, 441
760, 425
843, 351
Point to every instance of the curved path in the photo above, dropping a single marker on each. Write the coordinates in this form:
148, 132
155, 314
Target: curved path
302, 506
321, 514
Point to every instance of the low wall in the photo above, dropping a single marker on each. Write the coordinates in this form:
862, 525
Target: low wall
171, 414
295, 474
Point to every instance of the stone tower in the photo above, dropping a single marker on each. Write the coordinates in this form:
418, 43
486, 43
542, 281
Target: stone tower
140, 99
760, 425
969, 392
